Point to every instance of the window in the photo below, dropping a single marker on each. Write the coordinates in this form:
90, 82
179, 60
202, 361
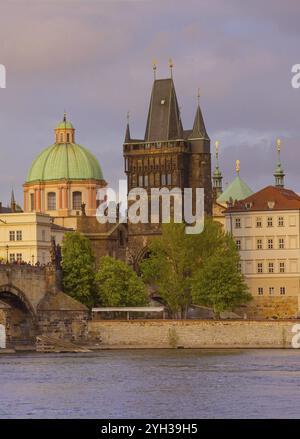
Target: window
12, 258
281, 242
61, 138
12, 236
146, 180
126, 164
281, 267
169, 179
271, 267
141, 181
280, 221
258, 222
270, 221
259, 267
271, 291
19, 257
31, 202
51, 200
260, 291
238, 223
238, 244
19, 235
282, 291
259, 244
77, 200
163, 179
68, 137
270, 244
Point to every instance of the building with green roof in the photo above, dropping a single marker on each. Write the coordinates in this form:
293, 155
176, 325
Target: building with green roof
236, 190
64, 178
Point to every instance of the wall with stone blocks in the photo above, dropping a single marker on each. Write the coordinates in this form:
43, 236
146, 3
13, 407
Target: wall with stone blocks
192, 334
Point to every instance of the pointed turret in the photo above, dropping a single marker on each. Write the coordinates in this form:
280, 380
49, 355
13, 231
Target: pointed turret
199, 130
163, 121
217, 175
127, 133
279, 173
13, 204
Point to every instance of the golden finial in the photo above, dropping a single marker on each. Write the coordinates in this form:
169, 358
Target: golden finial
171, 65
217, 143
278, 141
237, 166
154, 67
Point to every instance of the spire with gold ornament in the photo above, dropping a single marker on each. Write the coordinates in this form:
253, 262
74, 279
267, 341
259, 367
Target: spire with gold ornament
279, 173
217, 174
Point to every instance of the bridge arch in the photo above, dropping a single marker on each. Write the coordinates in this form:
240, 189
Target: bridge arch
21, 319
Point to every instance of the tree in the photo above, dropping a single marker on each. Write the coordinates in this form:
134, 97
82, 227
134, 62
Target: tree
169, 267
176, 257
119, 285
218, 283
78, 264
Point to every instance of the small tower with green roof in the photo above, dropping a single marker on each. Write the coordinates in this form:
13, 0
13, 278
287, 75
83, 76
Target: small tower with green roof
217, 174
236, 190
279, 173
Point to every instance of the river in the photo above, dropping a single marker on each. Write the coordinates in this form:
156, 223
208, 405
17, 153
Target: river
151, 384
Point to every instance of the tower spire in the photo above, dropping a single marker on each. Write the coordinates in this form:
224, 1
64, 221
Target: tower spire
279, 173
217, 175
127, 133
199, 130
12, 201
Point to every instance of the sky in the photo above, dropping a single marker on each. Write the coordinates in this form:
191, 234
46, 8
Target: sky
93, 59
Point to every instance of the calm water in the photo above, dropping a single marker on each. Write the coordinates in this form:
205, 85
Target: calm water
153, 383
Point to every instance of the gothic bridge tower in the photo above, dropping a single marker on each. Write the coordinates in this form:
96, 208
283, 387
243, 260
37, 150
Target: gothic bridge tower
168, 155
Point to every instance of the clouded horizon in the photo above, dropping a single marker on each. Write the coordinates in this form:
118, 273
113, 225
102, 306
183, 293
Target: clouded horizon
93, 59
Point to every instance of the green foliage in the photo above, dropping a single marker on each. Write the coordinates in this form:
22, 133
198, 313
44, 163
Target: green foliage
177, 259
78, 268
218, 284
119, 285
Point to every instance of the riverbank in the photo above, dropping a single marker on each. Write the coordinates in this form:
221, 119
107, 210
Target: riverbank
192, 334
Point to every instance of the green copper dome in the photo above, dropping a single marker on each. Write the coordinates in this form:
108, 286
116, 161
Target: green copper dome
64, 161
237, 190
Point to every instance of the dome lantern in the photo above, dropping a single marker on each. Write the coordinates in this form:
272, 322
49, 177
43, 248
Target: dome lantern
64, 131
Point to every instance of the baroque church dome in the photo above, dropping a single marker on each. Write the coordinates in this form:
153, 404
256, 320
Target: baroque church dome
65, 159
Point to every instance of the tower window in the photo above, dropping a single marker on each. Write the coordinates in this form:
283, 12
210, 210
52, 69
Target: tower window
77, 200
61, 138
31, 202
68, 137
51, 200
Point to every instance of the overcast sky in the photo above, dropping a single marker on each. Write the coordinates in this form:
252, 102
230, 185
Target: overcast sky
93, 58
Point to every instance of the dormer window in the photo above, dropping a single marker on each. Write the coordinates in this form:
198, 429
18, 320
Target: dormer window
163, 101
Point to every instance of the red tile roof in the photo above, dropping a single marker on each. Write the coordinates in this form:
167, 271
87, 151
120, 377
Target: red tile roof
268, 199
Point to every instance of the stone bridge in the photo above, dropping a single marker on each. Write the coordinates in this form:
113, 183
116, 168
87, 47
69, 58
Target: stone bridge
32, 303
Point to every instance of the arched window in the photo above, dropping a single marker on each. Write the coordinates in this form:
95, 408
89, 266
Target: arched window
51, 200
68, 137
77, 200
61, 138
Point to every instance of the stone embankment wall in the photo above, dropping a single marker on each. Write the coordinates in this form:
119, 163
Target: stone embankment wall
192, 334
